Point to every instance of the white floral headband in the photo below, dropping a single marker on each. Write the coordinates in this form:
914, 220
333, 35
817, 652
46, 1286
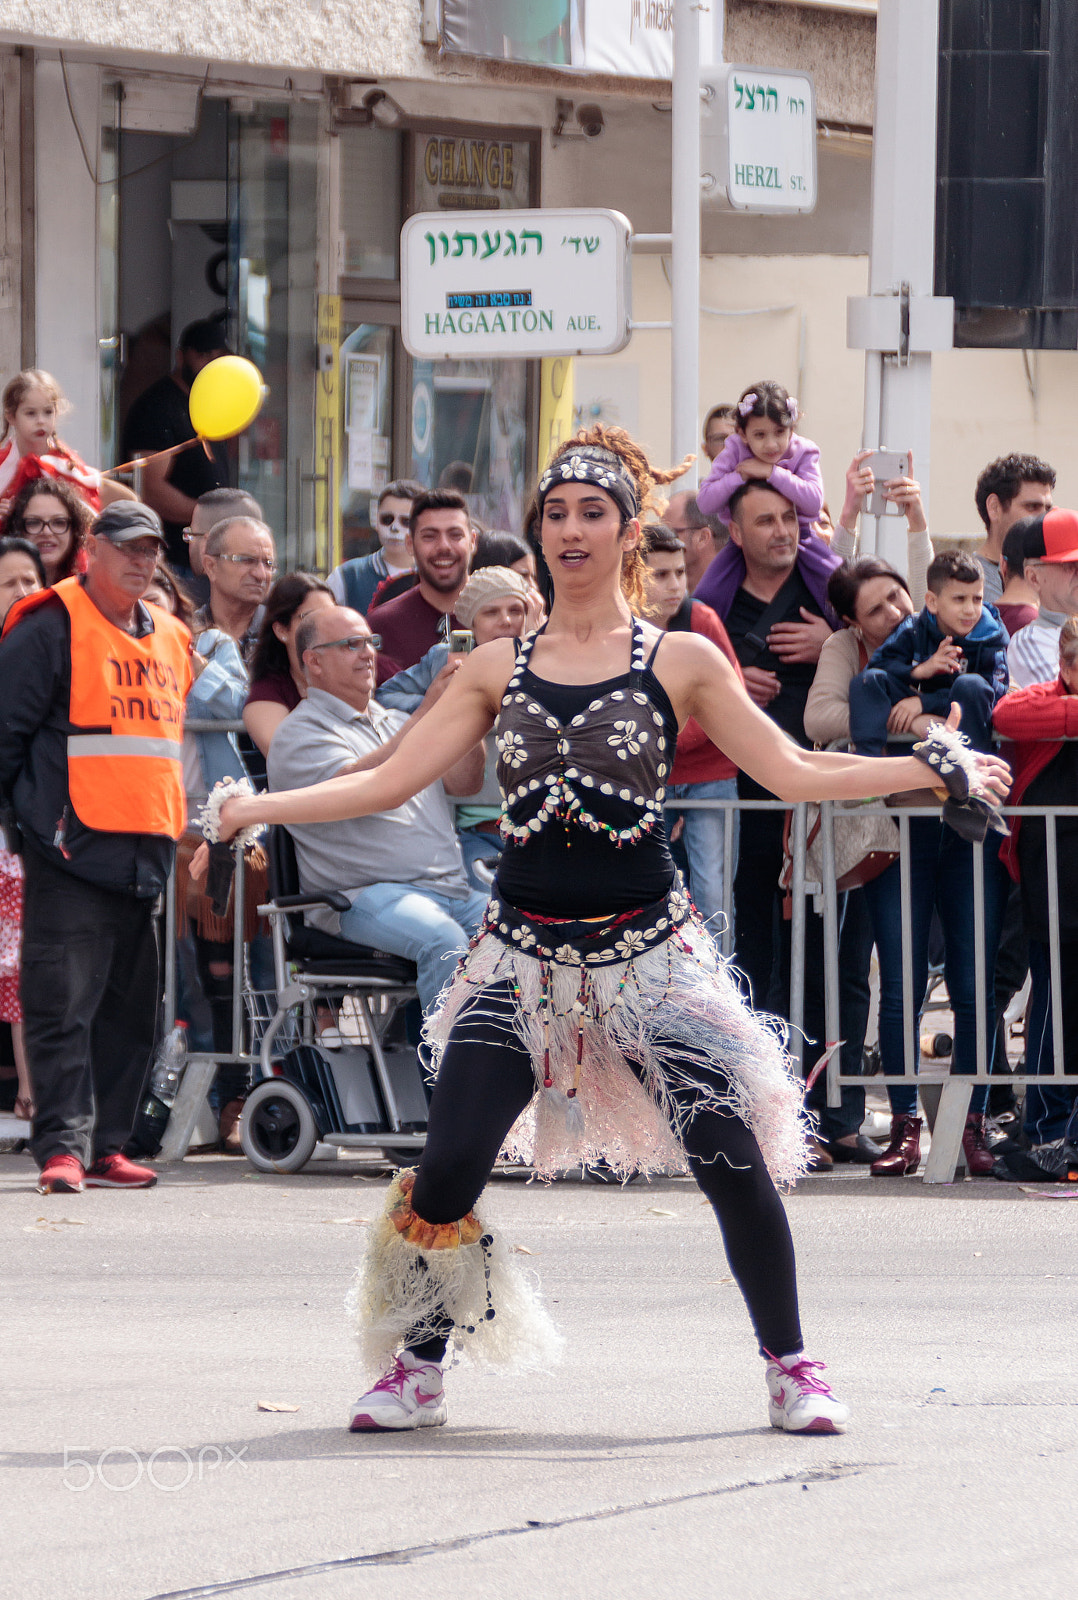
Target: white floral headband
593, 464
748, 403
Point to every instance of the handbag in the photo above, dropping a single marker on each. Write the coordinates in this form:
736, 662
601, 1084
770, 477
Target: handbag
866, 843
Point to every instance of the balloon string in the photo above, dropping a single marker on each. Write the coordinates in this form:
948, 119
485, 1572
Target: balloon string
160, 455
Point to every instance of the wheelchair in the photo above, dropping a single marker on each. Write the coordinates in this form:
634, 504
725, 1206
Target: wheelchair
368, 1096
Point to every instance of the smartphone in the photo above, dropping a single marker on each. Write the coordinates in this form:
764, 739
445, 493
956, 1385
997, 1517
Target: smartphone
886, 464
461, 641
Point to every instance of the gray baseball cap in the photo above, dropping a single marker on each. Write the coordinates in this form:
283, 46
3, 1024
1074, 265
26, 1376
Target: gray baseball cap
125, 520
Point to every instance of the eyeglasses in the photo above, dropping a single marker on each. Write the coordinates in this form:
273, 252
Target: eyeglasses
188, 534
388, 518
353, 644
57, 525
139, 549
248, 562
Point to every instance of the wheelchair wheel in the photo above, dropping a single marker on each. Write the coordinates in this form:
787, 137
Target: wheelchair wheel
278, 1131
401, 1157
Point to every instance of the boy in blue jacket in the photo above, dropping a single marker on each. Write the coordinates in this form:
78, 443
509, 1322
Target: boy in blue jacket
953, 650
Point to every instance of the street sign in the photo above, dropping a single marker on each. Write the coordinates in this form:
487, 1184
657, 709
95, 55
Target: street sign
758, 139
515, 283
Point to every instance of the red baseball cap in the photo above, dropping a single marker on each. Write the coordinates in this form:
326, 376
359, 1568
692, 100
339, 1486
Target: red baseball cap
1052, 536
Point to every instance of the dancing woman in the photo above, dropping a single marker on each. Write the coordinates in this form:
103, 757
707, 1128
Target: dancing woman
592, 1016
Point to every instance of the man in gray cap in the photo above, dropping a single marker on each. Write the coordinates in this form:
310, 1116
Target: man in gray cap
91, 731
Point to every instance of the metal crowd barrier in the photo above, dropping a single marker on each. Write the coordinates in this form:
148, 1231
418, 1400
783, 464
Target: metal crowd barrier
956, 1089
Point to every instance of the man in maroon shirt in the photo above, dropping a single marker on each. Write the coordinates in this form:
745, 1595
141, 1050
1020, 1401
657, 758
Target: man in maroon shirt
700, 770
441, 544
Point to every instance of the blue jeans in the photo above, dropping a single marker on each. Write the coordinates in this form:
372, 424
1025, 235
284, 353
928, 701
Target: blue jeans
703, 837
1048, 1111
875, 692
941, 879
422, 926
475, 847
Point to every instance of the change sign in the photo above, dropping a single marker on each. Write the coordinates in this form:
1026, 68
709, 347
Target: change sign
514, 283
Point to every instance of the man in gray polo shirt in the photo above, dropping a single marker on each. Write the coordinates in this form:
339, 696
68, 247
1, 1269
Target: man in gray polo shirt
402, 869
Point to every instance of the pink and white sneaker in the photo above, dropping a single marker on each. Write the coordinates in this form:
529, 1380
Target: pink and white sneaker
800, 1402
410, 1395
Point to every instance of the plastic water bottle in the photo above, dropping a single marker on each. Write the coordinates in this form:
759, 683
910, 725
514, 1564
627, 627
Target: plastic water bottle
168, 1064
153, 1113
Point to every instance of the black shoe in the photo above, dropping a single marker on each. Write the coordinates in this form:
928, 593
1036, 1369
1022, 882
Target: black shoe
863, 1152
1053, 1163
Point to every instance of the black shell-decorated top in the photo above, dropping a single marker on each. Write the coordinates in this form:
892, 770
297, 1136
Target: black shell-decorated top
605, 770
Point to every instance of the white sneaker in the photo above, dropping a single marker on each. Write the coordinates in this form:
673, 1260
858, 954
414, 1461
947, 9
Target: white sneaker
410, 1395
800, 1402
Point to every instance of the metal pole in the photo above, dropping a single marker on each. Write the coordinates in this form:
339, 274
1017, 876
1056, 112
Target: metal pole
171, 954
832, 1024
903, 233
729, 833
798, 831
911, 1055
239, 906
685, 229
983, 979
1051, 840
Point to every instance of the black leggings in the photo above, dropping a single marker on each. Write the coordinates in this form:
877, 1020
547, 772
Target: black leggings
482, 1088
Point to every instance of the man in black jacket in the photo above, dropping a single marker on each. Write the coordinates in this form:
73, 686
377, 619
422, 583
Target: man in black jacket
90, 777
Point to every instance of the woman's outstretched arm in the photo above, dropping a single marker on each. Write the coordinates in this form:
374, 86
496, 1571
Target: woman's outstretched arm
702, 680
464, 715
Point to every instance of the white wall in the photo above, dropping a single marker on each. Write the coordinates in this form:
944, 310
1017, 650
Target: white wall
982, 408
737, 350
66, 245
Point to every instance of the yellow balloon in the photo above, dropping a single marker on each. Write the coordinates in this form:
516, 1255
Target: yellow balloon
226, 397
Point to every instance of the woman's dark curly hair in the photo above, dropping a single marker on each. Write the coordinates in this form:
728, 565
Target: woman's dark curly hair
282, 603
73, 503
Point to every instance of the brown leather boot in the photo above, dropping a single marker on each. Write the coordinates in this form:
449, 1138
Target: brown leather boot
979, 1158
903, 1154
229, 1128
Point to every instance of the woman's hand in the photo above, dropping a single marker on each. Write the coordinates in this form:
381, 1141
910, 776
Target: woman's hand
994, 779
199, 864
236, 814
25, 1107
906, 494
860, 480
993, 775
535, 609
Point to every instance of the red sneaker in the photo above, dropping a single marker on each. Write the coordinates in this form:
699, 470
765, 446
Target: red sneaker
117, 1172
61, 1175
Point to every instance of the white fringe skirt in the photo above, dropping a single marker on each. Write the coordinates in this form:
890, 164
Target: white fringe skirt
587, 999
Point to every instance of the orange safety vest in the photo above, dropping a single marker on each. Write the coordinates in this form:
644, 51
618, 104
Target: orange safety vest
124, 753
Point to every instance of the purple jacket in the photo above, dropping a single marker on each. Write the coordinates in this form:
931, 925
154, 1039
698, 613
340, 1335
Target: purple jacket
815, 559
796, 475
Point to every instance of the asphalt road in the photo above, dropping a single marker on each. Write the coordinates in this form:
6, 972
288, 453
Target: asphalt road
143, 1330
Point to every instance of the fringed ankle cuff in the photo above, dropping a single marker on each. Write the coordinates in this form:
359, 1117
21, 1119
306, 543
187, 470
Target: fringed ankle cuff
416, 1274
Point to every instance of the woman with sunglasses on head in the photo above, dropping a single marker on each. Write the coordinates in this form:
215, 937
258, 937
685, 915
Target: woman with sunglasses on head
593, 1016
55, 519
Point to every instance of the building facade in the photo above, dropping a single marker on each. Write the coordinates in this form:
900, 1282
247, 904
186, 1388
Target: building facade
254, 164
